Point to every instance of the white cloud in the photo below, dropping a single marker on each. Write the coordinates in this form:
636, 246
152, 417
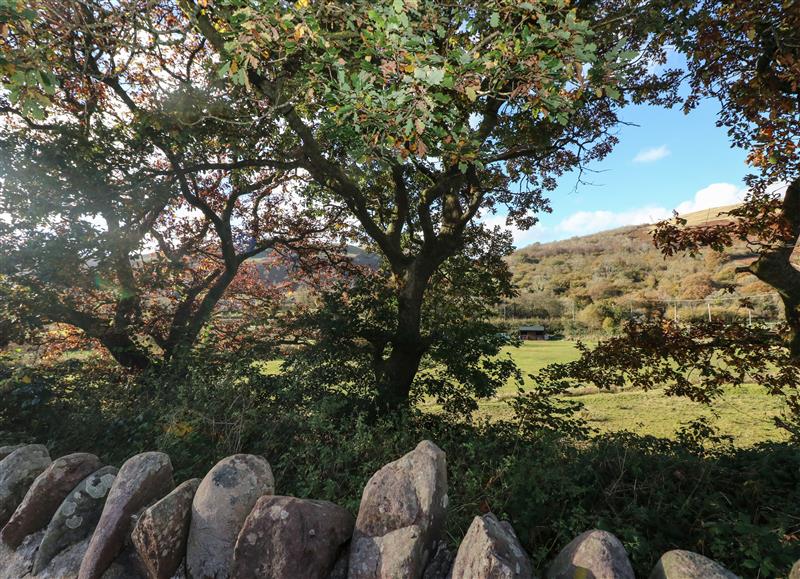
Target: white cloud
715, 195
652, 155
673, 60
586, 222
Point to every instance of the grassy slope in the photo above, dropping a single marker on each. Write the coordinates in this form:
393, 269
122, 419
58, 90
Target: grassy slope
744, 413
616, 272
623, 264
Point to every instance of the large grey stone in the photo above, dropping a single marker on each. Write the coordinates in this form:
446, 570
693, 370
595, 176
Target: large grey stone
77, 516
46, 494
225, 497
15, 564
680, 564
161, 531
401, 517
141, 481
17, 471
491, 550
6, 450
596, 554
795, 572
290, 538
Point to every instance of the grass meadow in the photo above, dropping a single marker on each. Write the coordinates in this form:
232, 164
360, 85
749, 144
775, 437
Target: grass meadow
746, 414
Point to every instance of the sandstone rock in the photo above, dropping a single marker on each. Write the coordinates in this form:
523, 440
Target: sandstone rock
598, 553
161, 531
290, 538
491, 550
17, 471
6, 450
223, 500
77, 516
401, 517
46, 494
680, 564
795, 572
142, 480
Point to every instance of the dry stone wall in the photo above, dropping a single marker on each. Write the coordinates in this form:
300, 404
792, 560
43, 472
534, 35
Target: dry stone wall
75, 518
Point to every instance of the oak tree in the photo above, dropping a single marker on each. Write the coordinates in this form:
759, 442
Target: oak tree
127, 209
420, 118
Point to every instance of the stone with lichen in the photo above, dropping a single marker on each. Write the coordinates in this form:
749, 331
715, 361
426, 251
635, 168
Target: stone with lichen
161, 531
141, 481
291, 538
225, 497
17, 471
491, 550
594, 553
77, 516
46, 494
402, 515
680, 564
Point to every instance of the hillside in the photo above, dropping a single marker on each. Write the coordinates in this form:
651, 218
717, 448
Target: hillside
594, 282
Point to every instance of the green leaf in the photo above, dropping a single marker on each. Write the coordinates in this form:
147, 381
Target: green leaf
494, 21
435, 75
240, 77
398, 6
224, 69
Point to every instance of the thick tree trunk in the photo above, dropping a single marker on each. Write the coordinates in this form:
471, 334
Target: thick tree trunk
119, 341
774, 267
125, 351
395, 374
189, 321
793, 318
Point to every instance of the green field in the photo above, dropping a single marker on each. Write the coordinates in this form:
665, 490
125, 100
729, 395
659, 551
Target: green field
745, 413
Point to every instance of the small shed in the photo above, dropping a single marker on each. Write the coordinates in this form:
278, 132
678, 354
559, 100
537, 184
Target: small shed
532, 333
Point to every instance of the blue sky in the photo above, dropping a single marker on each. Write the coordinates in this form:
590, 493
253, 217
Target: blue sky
669, 161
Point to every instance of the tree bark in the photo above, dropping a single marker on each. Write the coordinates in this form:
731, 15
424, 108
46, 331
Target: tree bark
774, 267
396, 373
119, 342
186, 328
125, 351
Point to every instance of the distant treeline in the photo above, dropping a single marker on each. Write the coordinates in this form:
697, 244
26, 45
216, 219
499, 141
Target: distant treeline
594, 283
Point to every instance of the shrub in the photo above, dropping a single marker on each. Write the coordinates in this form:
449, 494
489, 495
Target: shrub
738, 506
